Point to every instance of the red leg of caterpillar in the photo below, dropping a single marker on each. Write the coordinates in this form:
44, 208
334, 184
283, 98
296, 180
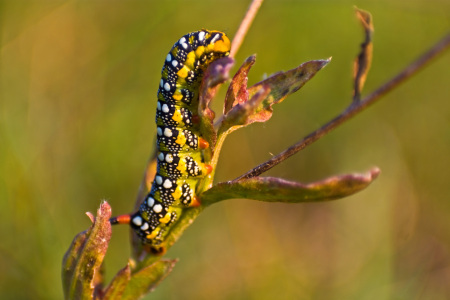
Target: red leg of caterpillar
122, 219
195, 202
208, 169
202, 143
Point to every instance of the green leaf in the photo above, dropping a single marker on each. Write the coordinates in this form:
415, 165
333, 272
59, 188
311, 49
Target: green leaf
272, 189
82, 261
146, 279
70, 260
117, 286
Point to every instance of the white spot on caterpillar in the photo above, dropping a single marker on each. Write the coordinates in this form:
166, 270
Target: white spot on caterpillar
157, 208
165, 108
161, 83
150, 201
159, 131
168, 132
174, 62
167, 86
167, 184
169, 57
169, 158
145, 226
137, 221
215, 38
182, 42
161, 156
201, 36
159, 180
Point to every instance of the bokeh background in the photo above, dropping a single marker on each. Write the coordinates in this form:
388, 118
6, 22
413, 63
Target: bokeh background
78, 83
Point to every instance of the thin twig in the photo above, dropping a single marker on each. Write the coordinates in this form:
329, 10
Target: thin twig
245, 25
353, 109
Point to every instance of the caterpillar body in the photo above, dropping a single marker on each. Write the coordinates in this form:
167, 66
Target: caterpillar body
180, 162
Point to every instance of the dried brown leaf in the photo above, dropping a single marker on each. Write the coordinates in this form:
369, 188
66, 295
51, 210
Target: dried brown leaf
363, 61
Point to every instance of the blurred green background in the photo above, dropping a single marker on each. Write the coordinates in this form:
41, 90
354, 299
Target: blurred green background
78, 83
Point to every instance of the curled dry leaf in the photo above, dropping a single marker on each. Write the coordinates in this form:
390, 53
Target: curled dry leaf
272, 189
217, 73
363, 61
237, 91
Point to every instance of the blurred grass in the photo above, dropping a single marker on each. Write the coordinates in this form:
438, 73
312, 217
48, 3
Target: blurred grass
78, 81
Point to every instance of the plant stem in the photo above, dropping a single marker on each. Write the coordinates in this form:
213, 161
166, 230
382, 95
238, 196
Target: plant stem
244, 26
353, 109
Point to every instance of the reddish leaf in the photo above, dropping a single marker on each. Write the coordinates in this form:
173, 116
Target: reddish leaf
215, 74
82, 261
237, 91
240, 114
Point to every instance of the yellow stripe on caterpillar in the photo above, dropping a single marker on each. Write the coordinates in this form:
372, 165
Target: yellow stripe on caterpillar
183, 72
199, 51
166, 218
190, 60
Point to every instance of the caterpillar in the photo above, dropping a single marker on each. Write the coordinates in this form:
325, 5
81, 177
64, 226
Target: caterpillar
180, 161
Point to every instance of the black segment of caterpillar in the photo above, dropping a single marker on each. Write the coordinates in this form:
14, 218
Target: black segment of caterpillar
180, 161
